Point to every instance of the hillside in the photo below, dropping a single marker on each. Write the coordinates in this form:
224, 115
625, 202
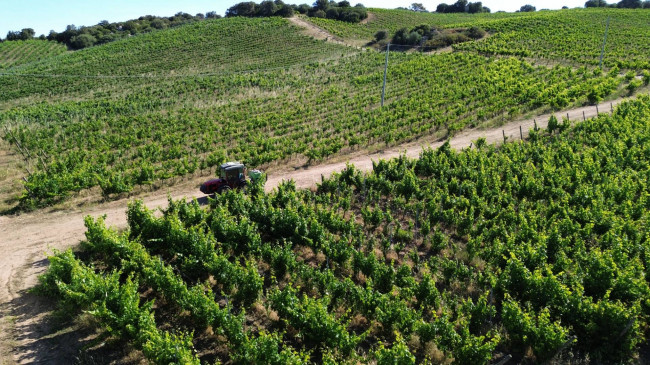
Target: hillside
195, 96
17, 53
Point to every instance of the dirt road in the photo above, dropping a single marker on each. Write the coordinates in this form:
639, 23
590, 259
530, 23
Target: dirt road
25, 239
315, 31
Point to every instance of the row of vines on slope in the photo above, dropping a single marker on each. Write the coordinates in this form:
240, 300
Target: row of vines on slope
314, 111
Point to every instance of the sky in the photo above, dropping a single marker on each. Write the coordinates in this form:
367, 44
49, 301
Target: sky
46, 15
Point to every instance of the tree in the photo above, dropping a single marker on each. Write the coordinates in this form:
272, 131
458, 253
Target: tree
442, 8
158, 24
23, 35
27, 33
242, 9
285, 11
458, 7
381, 35
630, 4
212, 15
595, 4
418, 7
83, 41
527, 8
332, 13
302, 8
267, 8
476, 33
344, 4
476, 7
321, 5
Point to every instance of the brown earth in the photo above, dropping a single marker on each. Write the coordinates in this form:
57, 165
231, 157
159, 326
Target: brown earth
25, 334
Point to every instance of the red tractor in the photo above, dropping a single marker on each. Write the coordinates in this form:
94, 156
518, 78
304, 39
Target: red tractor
232, 176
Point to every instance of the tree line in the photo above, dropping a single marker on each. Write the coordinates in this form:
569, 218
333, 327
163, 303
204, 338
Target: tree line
463, 6
341, 10
104, 32
430, 37
625, 4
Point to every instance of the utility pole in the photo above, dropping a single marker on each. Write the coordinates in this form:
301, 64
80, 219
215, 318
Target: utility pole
602, 52
383, 89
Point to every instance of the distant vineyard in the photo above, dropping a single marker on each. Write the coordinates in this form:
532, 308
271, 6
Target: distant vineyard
17, 53
316, 111
392, 20
536, 249
573, 35
576, 36
210, 47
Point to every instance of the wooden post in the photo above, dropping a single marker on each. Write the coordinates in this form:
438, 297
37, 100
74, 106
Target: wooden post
504, 135
597, 112
583, 116
521, 133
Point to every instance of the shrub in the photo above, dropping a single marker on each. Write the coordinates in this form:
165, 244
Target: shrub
319, 14
83, 41
475, 33
332, 13
381, 35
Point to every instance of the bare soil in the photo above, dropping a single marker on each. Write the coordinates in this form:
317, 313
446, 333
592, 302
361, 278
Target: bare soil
26, 334
317, 32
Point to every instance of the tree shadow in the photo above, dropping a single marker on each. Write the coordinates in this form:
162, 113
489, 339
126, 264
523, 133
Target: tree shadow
41, 335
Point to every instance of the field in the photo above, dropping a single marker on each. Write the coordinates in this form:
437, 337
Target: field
535, 249
573, 36
199, 108
466, 256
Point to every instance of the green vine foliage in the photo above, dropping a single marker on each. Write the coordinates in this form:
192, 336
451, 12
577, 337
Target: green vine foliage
536, 249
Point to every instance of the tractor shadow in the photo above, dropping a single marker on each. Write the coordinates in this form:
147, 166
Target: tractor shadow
203, 200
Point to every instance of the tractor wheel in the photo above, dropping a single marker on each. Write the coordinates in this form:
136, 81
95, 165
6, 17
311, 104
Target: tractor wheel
223, 189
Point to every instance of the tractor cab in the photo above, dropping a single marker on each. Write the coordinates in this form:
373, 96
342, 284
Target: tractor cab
233, 173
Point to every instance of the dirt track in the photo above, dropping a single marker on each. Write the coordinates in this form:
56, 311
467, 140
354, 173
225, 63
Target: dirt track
25, 240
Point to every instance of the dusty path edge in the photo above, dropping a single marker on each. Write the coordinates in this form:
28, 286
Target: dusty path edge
28, 237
